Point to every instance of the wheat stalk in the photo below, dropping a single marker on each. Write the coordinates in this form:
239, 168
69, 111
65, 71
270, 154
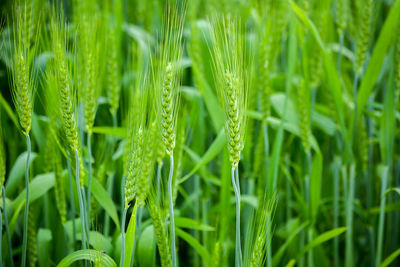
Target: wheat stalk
61, 90
23, 85
167, 82
229, 59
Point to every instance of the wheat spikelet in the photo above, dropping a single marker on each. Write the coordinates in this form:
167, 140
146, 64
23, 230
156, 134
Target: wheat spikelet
113, 69
32, 240
160, 234
342, 15
134, 168
304, 105
145, 179
271, 33
216, 257
140, 146
231, 79
320, 13
261, 236
167, 75
65, 92
22, 75
89, 49
364, 34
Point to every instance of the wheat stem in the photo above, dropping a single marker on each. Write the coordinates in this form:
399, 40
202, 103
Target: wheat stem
89, 192
308, 201
336, 212
355, 88
123, 219
81, 205
171, 210
3, 195
72, 203
266, 144
137, 231
381, 223
25, 235
85, 216
349, 218
339, 58
235, 184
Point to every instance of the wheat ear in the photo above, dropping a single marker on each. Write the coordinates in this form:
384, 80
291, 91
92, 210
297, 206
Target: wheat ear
229, 61
167, 82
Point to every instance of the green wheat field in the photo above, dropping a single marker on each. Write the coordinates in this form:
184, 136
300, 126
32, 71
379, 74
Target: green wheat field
200, 133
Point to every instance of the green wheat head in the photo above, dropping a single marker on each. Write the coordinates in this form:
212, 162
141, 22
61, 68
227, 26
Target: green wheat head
342, 15
231, 76
166, 74
90, 41
364, 36
22, 57
261, 232
140, 147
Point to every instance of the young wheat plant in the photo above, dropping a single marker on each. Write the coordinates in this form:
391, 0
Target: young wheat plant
23, 87
167, 81
61, 91
230, 73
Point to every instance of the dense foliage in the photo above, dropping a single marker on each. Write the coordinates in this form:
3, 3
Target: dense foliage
200, 133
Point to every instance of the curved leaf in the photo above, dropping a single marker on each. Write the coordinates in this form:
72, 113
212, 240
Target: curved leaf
212, 152
130, 237
88, 254
194, 244
390, 259
192, 224
321, 239
101, 195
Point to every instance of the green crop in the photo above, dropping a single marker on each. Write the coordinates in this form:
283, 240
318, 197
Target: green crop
200, 133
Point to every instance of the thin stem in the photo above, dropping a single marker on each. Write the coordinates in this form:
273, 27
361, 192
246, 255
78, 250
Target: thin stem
72, 203
381, 217
204, 209
336, 212
308, 197
266, 145
349, 219
25, 235
85, 216
355, 88
171, 210
3, 194
114, 120
137, 231
89, 192
81, 205
238, 249
339, 58
125, 210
